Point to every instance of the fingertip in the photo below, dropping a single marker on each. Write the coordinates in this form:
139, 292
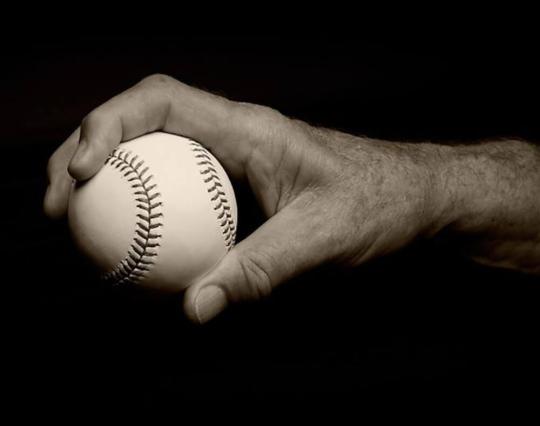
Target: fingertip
78, 171
84, 163
204, 301
77, 167
210, 302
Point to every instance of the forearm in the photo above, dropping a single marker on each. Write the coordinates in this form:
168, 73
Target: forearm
491, 194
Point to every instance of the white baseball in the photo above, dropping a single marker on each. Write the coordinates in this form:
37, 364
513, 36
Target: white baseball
160, 213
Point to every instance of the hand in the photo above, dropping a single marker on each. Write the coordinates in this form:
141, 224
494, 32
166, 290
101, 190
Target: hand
329, 197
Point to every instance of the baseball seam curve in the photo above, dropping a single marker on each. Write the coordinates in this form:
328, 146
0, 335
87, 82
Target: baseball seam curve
217, 194
145, 243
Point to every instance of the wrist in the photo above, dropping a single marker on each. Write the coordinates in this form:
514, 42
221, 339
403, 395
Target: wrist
457, 184
463, 188
451, 189
481, 188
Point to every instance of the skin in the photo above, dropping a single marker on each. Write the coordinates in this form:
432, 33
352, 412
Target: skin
328, 196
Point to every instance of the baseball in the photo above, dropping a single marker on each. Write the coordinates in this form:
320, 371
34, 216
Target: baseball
160, 213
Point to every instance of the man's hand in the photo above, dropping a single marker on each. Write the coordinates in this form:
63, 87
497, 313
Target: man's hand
328, 196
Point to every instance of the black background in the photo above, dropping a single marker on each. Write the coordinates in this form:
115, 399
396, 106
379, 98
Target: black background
423, 322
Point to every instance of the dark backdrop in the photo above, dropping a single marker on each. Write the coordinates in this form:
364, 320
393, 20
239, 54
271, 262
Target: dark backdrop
422, 322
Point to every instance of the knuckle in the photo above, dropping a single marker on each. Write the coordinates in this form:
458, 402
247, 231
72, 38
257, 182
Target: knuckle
157, 80
255, 269
263, 122
273, 118
261, 112
93, 119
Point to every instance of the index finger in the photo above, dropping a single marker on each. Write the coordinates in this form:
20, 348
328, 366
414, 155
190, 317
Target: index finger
161, 103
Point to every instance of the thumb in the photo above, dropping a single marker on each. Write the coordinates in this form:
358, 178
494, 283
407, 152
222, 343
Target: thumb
287, 244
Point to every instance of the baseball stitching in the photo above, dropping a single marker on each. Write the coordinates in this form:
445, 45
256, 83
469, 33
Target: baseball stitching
146, 241
217, 195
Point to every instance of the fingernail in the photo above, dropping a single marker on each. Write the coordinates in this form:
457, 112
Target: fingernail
210, 302
79, 154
